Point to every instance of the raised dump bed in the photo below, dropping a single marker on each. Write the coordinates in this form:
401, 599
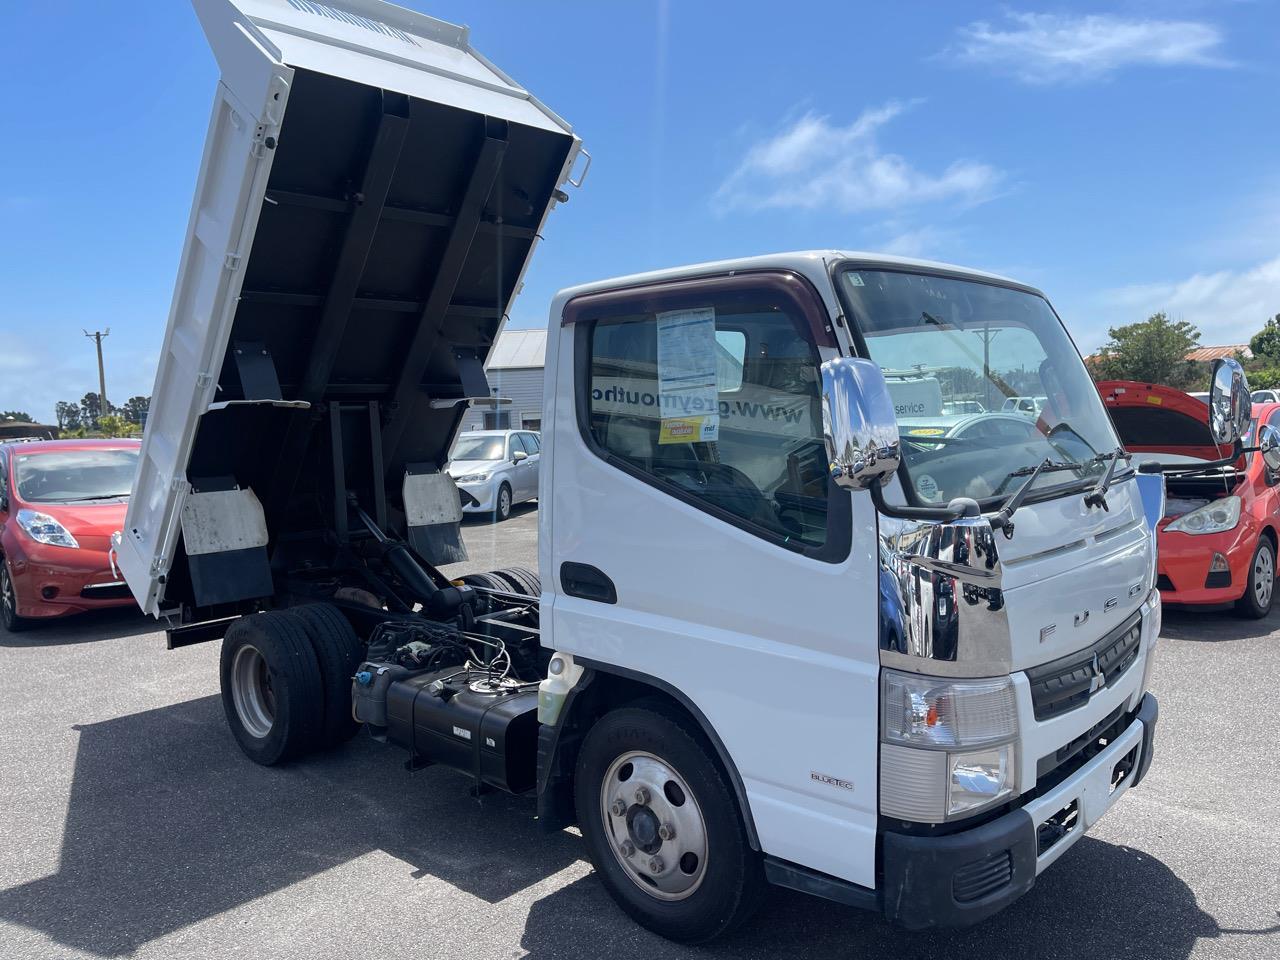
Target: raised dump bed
370, 195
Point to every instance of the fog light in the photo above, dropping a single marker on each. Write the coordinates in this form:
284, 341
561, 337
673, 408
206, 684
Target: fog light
48, 592
979, 778
1218, 564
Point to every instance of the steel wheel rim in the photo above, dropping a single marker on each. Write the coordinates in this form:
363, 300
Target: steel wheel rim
251, 691
1263, 577
654, 826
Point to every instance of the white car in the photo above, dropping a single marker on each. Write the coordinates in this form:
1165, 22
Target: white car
1265, 396
498, 468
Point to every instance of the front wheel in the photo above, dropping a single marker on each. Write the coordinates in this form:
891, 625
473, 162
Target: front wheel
502, 507
662, 827
9, 618
1260, 588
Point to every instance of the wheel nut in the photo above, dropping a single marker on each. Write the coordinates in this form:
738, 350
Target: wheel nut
627, 848
642, 796
655, 864
618, 807
666, 832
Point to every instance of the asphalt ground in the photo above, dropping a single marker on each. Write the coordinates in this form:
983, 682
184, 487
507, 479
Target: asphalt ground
131, 825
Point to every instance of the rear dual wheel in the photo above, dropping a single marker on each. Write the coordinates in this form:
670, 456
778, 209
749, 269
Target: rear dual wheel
286, 681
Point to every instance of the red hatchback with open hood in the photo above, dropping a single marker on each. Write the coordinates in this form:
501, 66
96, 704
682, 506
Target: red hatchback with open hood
60, 502
1217, 540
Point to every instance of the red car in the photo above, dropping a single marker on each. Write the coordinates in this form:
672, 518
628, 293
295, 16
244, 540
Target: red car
60, 502
1217, 541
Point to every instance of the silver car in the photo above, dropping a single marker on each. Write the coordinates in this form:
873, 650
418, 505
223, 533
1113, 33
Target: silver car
498, 468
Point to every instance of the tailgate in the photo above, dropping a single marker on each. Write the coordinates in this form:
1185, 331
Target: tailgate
370, 195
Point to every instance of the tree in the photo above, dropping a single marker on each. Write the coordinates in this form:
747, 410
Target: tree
135, 409
19, 415
68, 415
110, 425
90, 409
1152, 351
1266, 342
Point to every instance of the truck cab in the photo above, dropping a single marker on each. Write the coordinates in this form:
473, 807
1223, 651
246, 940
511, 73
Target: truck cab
771, 637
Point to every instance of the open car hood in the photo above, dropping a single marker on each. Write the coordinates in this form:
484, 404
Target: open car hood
1153, 418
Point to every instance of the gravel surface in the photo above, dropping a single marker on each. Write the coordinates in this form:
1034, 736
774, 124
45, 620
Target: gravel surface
131, 825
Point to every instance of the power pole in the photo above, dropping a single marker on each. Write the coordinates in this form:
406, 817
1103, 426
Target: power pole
96, 337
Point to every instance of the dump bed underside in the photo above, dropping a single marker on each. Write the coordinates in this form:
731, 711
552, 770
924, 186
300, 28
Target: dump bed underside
341, 286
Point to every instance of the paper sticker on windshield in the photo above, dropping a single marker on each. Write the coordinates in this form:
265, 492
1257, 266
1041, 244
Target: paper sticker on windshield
689, 430
926, 432
927, 487
855, 279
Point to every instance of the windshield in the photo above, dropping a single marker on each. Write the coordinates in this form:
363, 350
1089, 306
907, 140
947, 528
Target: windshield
985, 382
74, 476
479, 448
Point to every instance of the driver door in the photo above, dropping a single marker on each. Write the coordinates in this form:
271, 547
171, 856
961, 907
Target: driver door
693, 539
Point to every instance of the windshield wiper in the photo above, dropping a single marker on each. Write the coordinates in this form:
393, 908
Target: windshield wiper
1003, 520
1097, 495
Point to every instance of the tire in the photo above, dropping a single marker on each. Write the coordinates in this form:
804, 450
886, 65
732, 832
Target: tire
339, 654
9, 618
688, 900
1259, 589
520, 580
502, 505
272, 691
486, 581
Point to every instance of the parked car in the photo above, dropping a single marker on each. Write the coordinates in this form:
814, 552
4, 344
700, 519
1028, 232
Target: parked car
60, 502
1217, 541
496, 468
1027, 406
1266, 396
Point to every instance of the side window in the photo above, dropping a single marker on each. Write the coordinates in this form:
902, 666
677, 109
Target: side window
521, 441
536, 440
719, 404
1272, 421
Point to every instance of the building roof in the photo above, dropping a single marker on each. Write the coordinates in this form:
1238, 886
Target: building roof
1225, 352
519, 350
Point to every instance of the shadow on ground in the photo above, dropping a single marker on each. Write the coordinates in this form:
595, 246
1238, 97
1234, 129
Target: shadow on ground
1215, 626
168, 824
112, 624
1100, 901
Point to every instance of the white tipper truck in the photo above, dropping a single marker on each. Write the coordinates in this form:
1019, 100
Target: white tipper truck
769, 641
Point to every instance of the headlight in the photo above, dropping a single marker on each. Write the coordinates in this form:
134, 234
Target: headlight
948, 745
472, 478
1213, 517
42, 528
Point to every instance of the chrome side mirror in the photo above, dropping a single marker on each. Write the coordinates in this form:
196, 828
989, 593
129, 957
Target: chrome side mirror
1230, 404
858, 423
1269, 446
518, 455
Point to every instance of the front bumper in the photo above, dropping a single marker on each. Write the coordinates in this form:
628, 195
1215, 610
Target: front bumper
484, 492
1184, 565
58, 581
962, 878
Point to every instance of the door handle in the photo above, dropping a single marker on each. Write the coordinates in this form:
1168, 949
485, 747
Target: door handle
587, 582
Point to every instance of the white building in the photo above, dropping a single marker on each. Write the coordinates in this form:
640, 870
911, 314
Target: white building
515, 372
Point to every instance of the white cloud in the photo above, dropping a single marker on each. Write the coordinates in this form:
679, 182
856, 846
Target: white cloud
1052, 48
925, 242
815, 164
1228, 306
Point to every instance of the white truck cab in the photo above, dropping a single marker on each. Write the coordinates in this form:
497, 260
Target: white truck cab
771, 639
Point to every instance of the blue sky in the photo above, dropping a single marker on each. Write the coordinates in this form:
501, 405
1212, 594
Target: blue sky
1123, 157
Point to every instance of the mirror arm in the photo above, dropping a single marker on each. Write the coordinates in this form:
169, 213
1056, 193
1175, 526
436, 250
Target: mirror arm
960, 507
